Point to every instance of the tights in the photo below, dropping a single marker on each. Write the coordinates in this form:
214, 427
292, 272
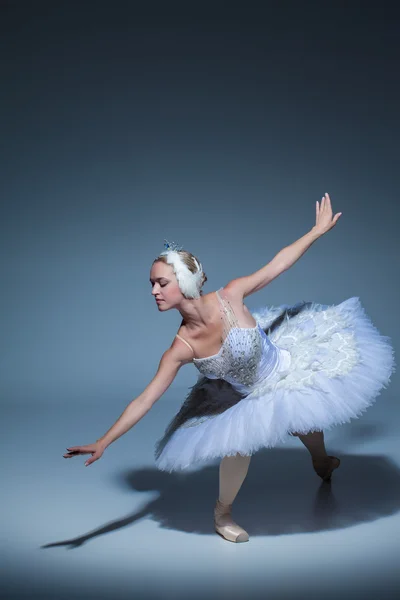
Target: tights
233, 469
232, 473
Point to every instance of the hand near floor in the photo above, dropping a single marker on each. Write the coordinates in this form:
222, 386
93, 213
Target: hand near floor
96, 450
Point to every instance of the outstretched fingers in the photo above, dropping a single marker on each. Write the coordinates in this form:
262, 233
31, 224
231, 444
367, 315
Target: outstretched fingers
324, 215
76, 450
96, 450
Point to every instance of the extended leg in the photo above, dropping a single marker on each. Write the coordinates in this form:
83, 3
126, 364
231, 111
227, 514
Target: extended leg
232, 473
322, 463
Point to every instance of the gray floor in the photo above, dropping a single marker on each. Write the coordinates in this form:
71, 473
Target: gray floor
122, 529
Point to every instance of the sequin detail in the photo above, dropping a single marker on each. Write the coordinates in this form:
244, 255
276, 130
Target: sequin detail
239, 356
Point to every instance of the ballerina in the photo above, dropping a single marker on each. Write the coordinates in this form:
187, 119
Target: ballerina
263, 375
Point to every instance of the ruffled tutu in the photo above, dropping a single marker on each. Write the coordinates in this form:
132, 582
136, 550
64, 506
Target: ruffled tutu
333, 363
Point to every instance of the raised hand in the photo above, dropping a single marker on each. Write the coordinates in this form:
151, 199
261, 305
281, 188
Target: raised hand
96, 450
324, 220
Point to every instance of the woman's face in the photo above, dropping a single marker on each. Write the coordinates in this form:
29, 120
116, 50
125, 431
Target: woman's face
165, 288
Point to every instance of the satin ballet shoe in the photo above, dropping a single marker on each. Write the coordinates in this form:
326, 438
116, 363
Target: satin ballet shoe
325, 472
225, 526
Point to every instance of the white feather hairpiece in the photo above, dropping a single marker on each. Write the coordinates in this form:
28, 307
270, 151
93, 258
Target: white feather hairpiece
189, 283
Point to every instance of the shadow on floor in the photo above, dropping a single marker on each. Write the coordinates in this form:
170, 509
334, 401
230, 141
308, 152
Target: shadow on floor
280, 495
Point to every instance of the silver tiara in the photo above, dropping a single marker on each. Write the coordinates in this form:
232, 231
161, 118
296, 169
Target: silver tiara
172, 246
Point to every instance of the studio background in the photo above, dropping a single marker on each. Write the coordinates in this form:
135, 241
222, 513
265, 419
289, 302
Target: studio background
217, 126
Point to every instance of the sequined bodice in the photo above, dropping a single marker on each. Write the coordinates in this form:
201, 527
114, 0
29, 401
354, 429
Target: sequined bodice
246, 355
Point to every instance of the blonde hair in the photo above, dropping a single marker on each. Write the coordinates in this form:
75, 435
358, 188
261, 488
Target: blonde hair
188, 259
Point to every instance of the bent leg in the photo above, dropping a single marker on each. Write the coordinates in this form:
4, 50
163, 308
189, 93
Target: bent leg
315, 444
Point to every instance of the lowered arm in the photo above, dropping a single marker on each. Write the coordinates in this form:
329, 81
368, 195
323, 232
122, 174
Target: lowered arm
170, 363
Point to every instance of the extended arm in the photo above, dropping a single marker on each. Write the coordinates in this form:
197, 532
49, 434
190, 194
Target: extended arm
170, 363
249, 284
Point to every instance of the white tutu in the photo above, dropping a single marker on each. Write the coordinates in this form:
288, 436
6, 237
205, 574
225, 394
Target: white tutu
332, 364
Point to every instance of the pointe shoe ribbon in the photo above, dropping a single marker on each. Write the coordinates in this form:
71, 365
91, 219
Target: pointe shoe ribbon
225, 526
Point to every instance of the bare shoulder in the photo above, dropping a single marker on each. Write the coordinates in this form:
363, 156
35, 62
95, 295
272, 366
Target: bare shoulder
180, 351
234, 291
241, 287
235, 295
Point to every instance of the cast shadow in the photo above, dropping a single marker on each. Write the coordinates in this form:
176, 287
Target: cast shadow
281, 495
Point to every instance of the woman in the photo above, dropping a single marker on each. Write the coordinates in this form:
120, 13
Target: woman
263, 375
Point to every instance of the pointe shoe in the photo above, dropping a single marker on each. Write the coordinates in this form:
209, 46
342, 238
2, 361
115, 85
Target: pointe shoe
325, 472
225, 526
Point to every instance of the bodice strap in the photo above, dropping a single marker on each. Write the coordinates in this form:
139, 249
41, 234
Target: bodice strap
187, 343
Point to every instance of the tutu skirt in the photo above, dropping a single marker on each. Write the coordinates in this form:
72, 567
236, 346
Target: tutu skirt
333, 363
